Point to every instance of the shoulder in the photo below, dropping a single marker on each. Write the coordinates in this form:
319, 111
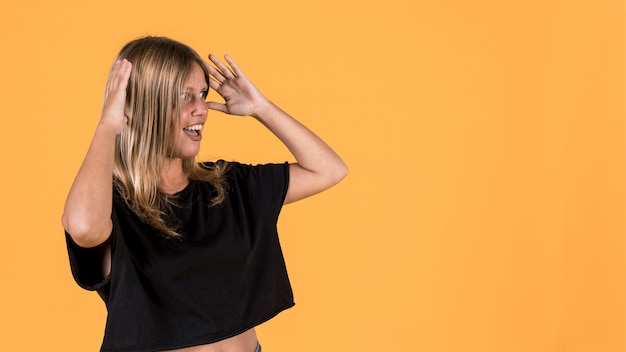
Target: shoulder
258, 181
241, 171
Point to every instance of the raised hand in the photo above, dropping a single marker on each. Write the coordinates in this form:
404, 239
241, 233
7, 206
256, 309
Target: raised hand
241, 97
113, 114
87, 214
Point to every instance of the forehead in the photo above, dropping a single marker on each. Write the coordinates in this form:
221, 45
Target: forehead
196, 78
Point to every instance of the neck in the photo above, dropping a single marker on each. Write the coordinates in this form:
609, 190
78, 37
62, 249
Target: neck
172, 178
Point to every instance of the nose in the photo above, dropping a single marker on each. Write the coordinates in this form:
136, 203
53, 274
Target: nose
199, 107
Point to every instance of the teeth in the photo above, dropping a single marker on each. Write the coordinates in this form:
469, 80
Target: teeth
193, 128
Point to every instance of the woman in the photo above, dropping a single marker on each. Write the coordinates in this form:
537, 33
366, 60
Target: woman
185, 254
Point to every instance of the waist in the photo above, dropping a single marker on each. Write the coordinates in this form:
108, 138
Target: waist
244, 342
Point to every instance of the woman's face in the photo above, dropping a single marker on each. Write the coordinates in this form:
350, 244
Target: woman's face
193, 114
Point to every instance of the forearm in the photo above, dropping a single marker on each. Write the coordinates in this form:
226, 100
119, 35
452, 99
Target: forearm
310, 151
318, 165
87, 213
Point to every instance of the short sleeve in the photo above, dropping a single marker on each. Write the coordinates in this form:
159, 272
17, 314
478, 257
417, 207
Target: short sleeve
263, 185
86, 265
223, 276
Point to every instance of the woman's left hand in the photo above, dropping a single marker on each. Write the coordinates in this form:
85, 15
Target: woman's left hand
241, 97
317, 166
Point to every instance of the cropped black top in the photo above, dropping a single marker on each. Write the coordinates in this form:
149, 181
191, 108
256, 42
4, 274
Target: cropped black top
224, 276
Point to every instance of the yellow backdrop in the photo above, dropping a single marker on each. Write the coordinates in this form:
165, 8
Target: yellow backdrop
485, 209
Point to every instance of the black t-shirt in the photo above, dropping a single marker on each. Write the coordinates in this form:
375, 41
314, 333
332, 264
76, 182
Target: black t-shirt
224, 276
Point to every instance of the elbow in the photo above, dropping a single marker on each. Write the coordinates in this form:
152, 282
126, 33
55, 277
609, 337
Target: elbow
343, 171
340, 172
82, 232
77, 229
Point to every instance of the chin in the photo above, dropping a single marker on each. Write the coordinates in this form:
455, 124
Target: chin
191, 155
187, 154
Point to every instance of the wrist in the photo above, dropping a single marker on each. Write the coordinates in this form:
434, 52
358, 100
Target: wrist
108, 128
263, 110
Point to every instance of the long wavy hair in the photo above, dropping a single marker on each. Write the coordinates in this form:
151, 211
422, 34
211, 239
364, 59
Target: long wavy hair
161, 66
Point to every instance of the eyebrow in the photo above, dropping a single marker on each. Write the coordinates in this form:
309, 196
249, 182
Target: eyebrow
190, 87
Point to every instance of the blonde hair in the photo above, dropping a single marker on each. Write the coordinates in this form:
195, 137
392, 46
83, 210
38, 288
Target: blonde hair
160, 68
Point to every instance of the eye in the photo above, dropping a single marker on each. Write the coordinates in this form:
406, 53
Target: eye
185, 97
204, 94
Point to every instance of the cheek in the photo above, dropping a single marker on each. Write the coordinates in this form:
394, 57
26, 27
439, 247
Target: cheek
183, 116
180, 119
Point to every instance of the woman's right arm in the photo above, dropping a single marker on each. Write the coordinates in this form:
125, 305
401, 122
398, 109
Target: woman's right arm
87, 213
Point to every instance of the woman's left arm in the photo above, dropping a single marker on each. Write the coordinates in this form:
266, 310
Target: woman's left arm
317, 166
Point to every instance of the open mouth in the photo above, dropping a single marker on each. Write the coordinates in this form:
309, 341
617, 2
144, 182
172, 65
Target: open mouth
194, 131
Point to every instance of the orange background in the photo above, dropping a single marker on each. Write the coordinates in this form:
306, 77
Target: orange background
485, 209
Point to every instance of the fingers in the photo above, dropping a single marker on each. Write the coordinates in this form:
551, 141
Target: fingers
113, 110
216, 106
224, 71
215, 85
118, 78
240, 95
232, 64
120, 68
217, 74
127, 68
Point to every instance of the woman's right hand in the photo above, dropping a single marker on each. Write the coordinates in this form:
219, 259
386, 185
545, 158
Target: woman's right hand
113, 114
87, 214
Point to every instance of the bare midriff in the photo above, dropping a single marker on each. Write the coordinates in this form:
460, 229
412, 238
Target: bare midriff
244, 342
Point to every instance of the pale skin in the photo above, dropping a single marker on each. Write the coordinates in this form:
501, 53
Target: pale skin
87, 214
